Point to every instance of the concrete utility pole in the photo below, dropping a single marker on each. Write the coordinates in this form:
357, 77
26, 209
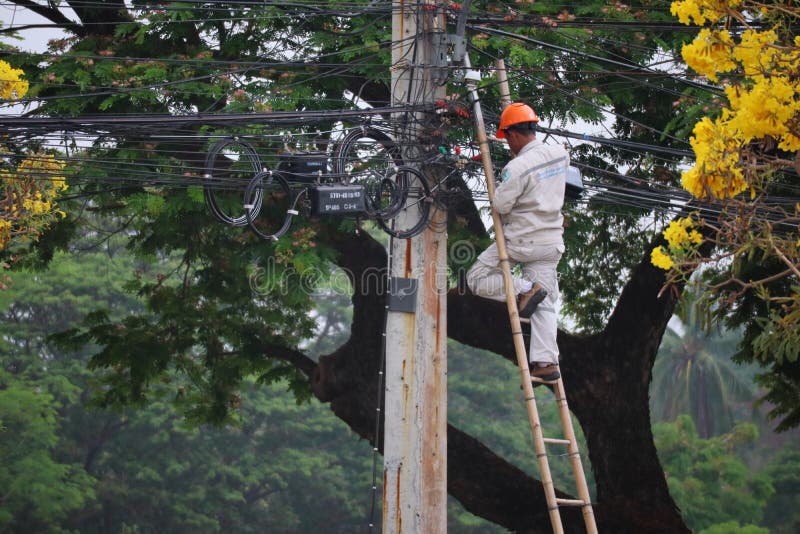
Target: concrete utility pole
415, 413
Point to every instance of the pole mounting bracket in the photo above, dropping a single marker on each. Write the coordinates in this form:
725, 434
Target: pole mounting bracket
403, 294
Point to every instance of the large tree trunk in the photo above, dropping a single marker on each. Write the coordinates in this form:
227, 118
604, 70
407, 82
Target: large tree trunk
606, 376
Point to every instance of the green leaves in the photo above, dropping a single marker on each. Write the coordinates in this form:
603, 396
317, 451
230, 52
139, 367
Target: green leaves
525, 55
38, 489
149, 203
709, 483
777, 340
64, 465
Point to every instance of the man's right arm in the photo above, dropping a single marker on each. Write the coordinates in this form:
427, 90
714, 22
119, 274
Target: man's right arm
507, 192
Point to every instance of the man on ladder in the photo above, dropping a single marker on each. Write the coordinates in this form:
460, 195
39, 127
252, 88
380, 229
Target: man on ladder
529, 200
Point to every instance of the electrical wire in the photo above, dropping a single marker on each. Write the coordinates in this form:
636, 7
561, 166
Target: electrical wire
633, 68
646, 147
125, 125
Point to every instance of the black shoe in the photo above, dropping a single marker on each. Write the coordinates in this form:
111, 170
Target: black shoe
545, 375
528, 301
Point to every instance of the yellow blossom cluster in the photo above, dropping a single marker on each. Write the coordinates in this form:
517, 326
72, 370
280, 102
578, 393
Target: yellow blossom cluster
12, 87
764, 103
35, 205
5, 232
716, 172
710, 53
769, 108
751, 49
27, 197
682, 239
661, 259
757, 52
681, 233
702, 11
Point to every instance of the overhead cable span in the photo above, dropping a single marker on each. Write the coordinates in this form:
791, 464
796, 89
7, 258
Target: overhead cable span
106, 123
644, 147
630, 66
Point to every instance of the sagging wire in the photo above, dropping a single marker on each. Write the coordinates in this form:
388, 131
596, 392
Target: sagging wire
379, 402
521, 73
128, 171
628, 66
619, 144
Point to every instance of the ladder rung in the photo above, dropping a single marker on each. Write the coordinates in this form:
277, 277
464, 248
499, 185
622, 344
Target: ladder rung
570, 502
556, 441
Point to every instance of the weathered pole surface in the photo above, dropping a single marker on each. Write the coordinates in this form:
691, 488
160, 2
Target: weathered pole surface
415, 412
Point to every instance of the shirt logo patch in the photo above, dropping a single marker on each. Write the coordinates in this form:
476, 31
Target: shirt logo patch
546, 174
505, 175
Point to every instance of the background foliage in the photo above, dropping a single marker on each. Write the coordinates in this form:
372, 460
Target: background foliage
71, 465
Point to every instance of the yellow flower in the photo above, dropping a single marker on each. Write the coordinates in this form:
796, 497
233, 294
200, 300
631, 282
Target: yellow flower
756, 53
716, 172
676, 234
687, 11
30, 194
710, 53
680, 234
661, 259
702, 10
5, 233
764, 103
764, 109
11, 86
789, 142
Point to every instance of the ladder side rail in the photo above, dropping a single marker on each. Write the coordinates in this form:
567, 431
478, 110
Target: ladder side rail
575, 458
511, 302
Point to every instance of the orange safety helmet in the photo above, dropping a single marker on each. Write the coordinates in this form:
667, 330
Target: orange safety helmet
515, 113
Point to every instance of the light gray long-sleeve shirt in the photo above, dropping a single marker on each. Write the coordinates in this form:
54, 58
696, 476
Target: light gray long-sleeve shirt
531, 195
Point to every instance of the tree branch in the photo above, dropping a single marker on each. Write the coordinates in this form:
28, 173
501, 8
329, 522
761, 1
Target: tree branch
50, 13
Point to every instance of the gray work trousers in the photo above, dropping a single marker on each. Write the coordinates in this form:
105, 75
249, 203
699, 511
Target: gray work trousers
538, 262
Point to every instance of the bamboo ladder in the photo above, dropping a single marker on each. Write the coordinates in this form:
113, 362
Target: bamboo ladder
540, 442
